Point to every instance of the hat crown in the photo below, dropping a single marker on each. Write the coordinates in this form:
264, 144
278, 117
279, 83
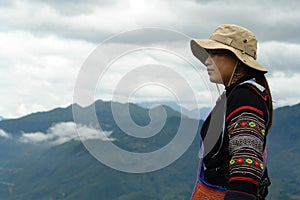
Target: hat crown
237, 37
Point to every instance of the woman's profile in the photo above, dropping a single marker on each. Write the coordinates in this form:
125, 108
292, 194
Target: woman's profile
234, 165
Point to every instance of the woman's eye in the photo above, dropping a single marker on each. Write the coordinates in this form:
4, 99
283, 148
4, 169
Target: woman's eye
217, 53
213, 53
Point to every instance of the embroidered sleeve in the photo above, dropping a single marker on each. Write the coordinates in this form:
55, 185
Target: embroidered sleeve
246, 119
246, 138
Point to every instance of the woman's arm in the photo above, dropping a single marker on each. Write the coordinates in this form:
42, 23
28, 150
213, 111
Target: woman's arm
246, 124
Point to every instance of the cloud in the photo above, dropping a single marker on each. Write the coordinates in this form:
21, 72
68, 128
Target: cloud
280, 56
64, 132
4, 134
267, 19
283, 88
95, 20
46, 42
91, 21
41, 71
154, 75
74, 7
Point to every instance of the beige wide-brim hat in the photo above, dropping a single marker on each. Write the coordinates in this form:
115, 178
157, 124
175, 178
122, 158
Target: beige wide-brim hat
236, 39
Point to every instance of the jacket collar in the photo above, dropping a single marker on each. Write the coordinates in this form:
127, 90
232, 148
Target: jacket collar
243, 79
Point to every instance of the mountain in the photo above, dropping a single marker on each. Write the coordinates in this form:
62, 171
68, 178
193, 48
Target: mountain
53, 164
284, 148
67, 170
35, 122
200, 113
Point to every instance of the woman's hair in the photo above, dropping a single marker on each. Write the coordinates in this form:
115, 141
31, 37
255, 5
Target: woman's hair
260, 78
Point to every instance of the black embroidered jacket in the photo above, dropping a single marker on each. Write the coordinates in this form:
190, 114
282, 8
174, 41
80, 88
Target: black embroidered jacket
235, 161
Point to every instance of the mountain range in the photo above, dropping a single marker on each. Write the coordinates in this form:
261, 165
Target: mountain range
42, 157
195, 113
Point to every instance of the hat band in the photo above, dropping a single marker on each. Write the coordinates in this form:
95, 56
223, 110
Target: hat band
230, 42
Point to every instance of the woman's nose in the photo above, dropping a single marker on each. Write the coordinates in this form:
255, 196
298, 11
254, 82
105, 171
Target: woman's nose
207, 61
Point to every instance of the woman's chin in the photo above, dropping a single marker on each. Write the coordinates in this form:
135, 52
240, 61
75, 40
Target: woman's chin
215, 80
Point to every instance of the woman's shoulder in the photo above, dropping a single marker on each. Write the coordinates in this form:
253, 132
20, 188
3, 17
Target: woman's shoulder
247, 98
248, 92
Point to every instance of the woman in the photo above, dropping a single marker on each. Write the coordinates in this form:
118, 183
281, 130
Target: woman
234, 164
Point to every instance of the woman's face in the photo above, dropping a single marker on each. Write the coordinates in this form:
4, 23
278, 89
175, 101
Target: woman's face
220, 65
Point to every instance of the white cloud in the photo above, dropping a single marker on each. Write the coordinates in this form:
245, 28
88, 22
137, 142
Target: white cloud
4, 134
96, 20
42, 18
129, 79
280, 56
45, 42
38, 73
91, 133
34, 137
152, 13
284, 88
64, 132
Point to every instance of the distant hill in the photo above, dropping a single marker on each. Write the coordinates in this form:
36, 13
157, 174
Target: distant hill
284, 148
200, 113
68, 171
65, 170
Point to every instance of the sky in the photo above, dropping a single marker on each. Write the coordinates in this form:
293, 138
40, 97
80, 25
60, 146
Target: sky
46, 44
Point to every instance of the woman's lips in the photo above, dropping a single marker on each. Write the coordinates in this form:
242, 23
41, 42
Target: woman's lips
209, 70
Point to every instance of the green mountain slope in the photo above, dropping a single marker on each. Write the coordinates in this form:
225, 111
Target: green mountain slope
284, 149
68, 171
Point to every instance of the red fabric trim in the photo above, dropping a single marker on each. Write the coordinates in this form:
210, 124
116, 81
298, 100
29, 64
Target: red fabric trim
243, 178
244, 108
258, 92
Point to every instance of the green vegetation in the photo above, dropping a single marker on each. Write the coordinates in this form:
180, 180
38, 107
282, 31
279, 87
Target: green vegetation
68, 171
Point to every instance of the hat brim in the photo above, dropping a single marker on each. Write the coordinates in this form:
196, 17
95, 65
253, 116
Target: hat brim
199, 47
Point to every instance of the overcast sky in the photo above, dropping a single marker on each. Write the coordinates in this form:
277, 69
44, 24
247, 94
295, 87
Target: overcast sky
45, 43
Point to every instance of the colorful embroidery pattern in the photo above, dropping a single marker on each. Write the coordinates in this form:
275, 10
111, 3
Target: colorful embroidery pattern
248, 124
247, 161
246, 139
